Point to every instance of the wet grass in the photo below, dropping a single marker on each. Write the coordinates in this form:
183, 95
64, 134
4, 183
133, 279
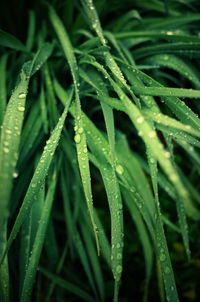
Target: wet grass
99, 152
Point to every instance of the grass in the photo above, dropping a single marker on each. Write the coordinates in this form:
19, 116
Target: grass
99, 152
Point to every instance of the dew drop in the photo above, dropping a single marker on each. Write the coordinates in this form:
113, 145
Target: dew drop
77, 138
22, 95
167, 154
21, 108
140, 120
6, 150
167, 270
80, 130
152, 160
119, 269
162, 257
15, 175
119, 169
8, 131
119, 256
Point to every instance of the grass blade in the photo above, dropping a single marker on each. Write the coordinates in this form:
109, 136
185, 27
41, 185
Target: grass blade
38, 243
80, 138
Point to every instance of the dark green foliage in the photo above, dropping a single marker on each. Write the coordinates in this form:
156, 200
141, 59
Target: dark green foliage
99, 150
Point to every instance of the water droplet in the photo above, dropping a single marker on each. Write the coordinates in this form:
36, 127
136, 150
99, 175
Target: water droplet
15, 175
21, 108
167, 270
80, 130
77, 138
152, 134
167, 154
6, 150
118, 269
152, 160
162, 257
119, 256
140, 120
22, 95
119, 169
8, 131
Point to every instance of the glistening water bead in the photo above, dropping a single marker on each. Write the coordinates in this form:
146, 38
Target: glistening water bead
118, 269
162, 257
8, 131
6, 150
80, 130
22, 95
140, 120
119, 169
15, 175
77, 138
21, 108
167, 154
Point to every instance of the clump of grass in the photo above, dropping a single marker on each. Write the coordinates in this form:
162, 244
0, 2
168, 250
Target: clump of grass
99, 152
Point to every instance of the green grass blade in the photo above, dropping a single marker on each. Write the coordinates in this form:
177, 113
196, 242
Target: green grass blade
170, 122
39, 174
115, 205
168, 35
41, 57
175, 92
177, 64
10, 137
43, 110
76, 290
80, 137
31, 31
38, 243
8, 40
95, 264
3, 63
178, 107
